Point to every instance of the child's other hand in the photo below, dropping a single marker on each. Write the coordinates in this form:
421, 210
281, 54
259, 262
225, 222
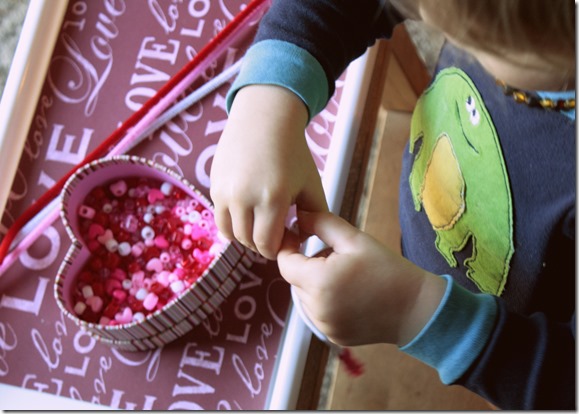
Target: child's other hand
361, 293
262, 166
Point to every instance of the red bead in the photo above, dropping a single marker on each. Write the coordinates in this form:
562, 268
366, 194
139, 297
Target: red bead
135, 304
85, 277
101, 218
151, 253
111, 310
112, 260
98, 193
133, 267
98, 289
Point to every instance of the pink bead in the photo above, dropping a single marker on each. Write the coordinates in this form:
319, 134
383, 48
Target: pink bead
95, 303
202, 257
95, 230
204, 224
163, 278
186, 244
197, 233
106, 236
216, 249
137, 249
137, 278
193, 203
130, 223
155, 195
180, 273
161, 242
150, 301
125, 316
86, 212
111, 285
119, 188
119, 295
119, 274
155, 265
180, 211
165, 257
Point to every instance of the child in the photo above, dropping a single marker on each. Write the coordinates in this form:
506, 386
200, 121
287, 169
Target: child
486, 294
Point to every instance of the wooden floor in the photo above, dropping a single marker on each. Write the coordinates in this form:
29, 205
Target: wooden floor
392, 380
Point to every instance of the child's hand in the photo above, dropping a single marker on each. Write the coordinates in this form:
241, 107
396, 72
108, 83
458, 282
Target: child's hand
361, 293
262, 166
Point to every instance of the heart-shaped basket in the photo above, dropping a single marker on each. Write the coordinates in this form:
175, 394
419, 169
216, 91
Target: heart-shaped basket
146, 264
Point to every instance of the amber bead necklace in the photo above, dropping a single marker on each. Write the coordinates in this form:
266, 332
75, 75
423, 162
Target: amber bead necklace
534, 100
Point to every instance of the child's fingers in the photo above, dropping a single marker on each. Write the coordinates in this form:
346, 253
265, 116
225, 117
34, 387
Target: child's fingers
268, 229
312, 197
223, 222
334, 231
292, 263
242, 224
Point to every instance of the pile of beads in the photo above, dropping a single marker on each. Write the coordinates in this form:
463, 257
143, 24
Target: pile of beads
149, 242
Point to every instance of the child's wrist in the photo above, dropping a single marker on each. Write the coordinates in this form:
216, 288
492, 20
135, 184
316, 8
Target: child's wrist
430, 291
268, 103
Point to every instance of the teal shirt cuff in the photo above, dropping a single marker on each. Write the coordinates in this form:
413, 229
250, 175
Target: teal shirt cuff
457, 332
275, 62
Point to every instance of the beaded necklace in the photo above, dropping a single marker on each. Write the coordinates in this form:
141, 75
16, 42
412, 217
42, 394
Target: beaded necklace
533, 100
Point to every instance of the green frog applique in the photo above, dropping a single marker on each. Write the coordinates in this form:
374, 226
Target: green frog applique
460, 179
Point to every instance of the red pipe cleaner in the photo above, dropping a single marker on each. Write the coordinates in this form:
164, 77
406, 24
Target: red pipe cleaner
102, 149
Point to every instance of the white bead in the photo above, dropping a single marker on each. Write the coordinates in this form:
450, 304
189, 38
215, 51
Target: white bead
141, 294
112, 245
138, 317
79, 308
177, 286
125, 248
127, 284
87, 291
166, 188
147, 233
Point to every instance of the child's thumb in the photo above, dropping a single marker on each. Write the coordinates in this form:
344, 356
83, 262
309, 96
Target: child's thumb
333, 230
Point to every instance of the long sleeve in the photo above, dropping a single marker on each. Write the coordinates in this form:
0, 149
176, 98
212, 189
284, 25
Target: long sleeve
306, 45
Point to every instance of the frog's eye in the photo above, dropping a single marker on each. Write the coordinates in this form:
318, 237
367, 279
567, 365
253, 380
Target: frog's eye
473, 113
